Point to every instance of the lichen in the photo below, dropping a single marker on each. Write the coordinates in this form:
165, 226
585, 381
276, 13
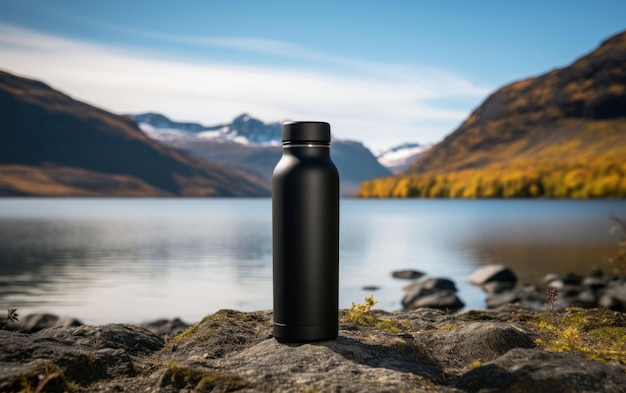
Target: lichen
450, 327
597, 334
225, 383
476, 315
475, 364
426, 384
230, 315
394, 325
181, 377
190, 331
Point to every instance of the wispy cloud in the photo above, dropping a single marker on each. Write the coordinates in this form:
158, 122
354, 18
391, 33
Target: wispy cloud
378, 103
293, 51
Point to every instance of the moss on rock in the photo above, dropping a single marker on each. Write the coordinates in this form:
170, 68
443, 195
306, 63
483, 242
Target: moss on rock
597, 334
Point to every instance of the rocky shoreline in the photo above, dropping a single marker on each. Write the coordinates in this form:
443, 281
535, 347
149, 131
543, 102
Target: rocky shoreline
512, 349
575, 344
501, 286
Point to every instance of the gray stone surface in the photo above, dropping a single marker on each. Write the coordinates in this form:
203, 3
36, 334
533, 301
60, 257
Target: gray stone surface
32, 323
614, 296
407, 274
166, 327
593, 290
527, 370
489, 273
433, 292
133, 339
432, 351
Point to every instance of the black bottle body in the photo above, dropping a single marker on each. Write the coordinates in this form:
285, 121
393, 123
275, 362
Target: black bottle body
305, 226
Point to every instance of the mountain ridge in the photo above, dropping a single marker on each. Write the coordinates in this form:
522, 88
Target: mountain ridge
560, 134
561, 94
254, 146
52, 144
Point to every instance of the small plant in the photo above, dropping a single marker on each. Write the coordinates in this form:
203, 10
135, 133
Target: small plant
48, 378
361, 314
45, 378
619, 259
475, 364
551, 295
12, 317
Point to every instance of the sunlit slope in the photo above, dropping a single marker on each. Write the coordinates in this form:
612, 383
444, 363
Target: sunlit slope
561, 134
53, 145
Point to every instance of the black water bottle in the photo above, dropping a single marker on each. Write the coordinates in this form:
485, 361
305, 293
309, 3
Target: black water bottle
305, 235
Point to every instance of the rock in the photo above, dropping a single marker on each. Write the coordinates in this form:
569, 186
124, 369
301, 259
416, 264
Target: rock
478, 341
586, 299
496, 300
569, 281
595, 283
595, 290
572, 279
418, 350
82, 355
531, 292
407, 274
133, 339
528, 295
614, 297
443, 300
556, 283
35, 322
223, 333
495, 287
347, 364
528, 370
550, 277
596, 272
430, 285
437, 293
166, 328
491, 273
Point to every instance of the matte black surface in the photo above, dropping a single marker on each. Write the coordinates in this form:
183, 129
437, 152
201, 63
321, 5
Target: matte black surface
305, 226
306, 131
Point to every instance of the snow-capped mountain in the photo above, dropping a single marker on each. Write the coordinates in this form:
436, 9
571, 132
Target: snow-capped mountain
254, 130
398, 158
244, 129
159, 122
250, 144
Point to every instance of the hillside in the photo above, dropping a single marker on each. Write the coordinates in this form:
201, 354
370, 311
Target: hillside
255, 147
561, 134
51, 144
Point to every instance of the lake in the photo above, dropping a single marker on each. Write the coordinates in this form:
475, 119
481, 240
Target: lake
134, 260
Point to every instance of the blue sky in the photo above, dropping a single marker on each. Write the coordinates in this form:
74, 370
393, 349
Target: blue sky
382, 72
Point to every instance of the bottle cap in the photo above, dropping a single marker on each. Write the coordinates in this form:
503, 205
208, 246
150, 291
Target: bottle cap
306, 131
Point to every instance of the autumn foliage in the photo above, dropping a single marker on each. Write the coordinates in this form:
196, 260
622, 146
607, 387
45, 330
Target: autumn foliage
602, 178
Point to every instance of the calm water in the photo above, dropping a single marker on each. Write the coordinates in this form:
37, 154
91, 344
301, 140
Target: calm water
133, 260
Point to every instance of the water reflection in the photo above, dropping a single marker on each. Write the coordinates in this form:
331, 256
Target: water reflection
530, 260
133, 263
130, 260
